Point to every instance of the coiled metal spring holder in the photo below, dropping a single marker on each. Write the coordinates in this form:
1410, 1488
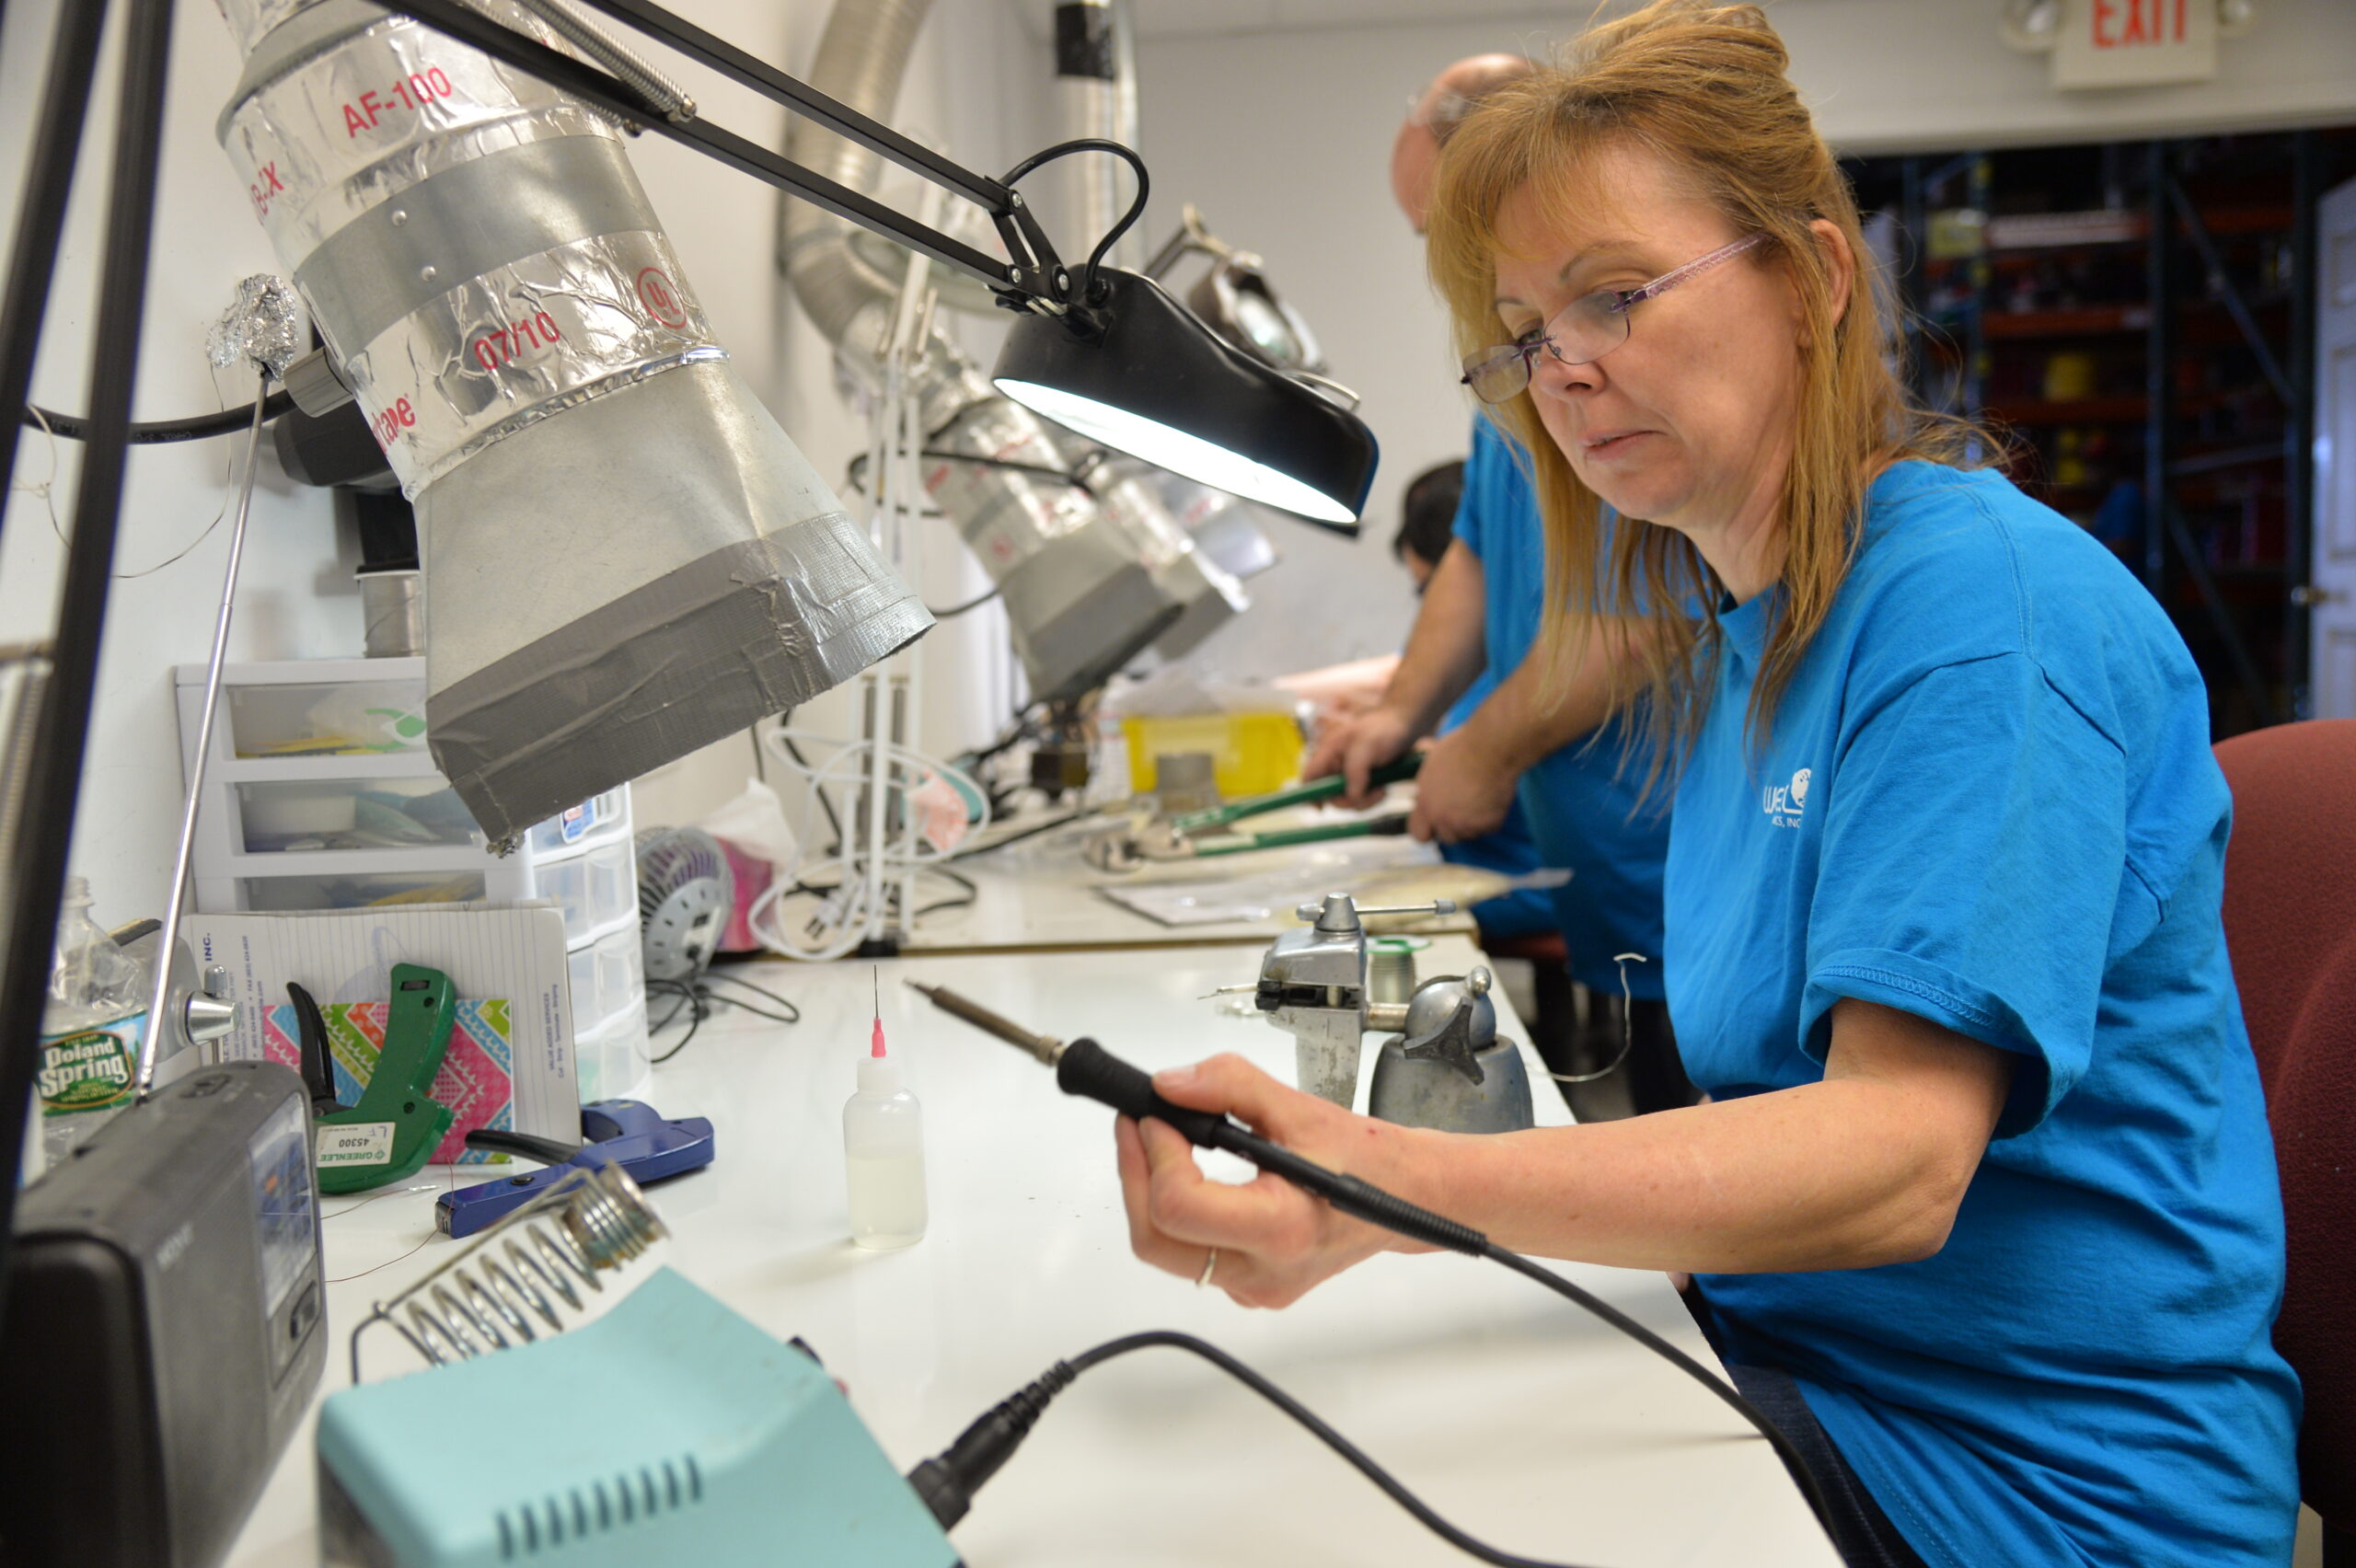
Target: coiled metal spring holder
531, 1264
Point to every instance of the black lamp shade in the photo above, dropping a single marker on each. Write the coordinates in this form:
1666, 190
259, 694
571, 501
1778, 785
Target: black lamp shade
1159, 385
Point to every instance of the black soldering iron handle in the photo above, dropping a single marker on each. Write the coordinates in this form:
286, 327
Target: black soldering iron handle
1091, 1071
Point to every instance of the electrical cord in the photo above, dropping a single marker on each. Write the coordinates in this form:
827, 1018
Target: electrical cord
1085, 1069
1137, 207
854, 893
689, 1002
948, 1481
199, 427
785, 738
1031, 832
698, 1000
971, 892
953, 611
855, 473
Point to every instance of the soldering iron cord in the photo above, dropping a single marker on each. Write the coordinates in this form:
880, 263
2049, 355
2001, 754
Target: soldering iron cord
1085, 1069
947, 1483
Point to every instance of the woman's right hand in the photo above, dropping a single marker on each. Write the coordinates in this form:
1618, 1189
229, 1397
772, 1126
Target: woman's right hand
1274, 1242
1355, 747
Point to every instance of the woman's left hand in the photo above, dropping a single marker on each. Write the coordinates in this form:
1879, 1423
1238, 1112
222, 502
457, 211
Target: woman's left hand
1274, 1242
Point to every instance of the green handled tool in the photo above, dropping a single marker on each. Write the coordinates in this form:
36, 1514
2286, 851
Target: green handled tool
1396, 771
1182, 837
1238, 843
397, 1125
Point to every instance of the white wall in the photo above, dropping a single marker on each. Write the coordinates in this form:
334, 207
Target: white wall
296, 599
1281, 133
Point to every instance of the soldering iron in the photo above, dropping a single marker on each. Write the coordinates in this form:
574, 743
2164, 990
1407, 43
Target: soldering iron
1085, 1069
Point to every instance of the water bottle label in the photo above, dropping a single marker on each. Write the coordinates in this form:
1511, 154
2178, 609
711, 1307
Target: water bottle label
89, 1069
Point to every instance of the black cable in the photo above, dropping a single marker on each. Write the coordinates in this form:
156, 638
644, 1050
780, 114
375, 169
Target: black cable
1014, 732
40, 214
1137, 208
971, 894
1032, 832
791, 1014
689, 1003
1085, 1069
855, 473
51, 777
698, 1000
197, 427
953, 611
1391, 1485
947, 1482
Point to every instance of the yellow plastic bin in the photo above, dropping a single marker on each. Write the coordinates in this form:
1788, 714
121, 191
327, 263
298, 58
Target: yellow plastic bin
1252, 753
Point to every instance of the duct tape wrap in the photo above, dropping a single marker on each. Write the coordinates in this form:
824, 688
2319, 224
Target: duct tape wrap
476, 247
625, 558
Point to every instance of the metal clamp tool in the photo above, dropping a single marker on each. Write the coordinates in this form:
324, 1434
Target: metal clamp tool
1446, 1067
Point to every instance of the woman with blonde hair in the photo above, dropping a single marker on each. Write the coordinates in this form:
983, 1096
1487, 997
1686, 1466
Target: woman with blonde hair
1982, 1209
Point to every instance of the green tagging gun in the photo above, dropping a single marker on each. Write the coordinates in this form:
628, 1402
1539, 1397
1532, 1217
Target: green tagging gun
397, 1125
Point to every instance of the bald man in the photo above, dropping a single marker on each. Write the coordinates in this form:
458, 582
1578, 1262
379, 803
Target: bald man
1454, 92
1521, 775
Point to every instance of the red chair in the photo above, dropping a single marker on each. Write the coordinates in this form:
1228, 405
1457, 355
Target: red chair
2290, 925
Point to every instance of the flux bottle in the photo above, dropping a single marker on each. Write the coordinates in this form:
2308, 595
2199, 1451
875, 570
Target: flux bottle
884, 1154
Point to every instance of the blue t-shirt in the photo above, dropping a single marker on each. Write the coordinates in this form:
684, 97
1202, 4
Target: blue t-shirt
1989, 799
1525, 911
1583, 809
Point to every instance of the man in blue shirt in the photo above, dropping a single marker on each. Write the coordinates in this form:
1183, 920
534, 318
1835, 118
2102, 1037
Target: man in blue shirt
1428, 515
1512, 753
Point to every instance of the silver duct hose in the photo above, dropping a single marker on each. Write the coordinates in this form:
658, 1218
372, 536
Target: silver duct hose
1090, 571
625, 558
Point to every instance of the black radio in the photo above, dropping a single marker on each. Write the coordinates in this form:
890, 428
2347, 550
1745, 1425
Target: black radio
163, 1330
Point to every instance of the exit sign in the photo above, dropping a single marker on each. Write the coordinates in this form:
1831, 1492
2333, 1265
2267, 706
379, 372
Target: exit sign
2135, 43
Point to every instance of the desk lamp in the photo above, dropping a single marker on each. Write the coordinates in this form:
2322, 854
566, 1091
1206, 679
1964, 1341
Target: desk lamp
1105, 350
524, 731
607, 681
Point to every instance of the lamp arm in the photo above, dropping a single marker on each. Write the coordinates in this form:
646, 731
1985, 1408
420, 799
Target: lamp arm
1034, 276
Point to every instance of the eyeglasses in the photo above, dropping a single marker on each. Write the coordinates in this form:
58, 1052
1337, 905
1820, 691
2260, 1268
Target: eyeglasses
1582, 331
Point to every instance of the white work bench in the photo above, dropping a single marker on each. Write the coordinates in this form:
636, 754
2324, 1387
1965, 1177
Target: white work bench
1515, 1415
1037, 893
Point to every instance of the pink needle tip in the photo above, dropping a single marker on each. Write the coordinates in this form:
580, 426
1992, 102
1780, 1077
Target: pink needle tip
876, 1041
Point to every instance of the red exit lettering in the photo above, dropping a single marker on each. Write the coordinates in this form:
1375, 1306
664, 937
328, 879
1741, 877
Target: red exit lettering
502, 345
389, 422
265, 188
2119, 24
411, 94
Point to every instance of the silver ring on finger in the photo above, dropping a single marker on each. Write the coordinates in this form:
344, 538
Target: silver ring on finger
1209, 1263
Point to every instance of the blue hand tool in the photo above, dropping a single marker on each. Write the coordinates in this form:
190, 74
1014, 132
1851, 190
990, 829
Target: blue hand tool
626, 1133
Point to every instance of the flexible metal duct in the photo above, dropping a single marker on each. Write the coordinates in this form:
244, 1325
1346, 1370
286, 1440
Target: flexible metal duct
1091, 572
626, 559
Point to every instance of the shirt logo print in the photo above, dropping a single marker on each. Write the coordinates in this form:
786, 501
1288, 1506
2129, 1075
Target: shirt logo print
1784, 802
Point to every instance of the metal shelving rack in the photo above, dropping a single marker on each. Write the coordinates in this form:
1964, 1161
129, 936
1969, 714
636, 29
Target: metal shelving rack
2255, 652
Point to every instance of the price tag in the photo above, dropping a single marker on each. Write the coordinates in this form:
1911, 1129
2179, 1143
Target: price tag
357, 1142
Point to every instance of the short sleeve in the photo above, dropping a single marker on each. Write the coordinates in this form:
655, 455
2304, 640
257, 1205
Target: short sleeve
1974, 857
1483, 487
